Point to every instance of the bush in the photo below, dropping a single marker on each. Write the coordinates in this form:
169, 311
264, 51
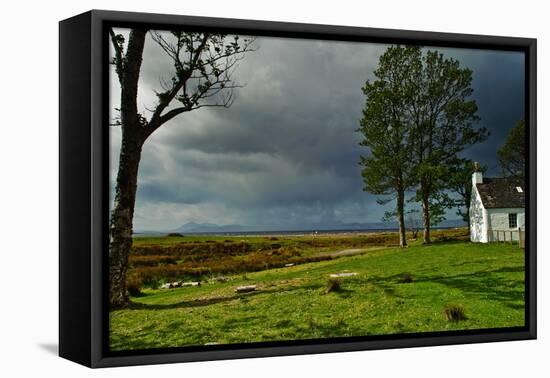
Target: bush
333, 284
133, 285
151, 260
454, 313
193, 250
175, 235
406, 278
457, 234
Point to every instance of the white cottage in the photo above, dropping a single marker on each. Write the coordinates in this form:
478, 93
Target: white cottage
497, 207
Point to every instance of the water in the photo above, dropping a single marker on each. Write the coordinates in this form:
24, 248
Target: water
306, 232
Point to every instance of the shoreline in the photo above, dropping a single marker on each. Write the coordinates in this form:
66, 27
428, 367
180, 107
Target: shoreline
319, 233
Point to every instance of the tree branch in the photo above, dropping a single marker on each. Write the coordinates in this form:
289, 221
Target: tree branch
165, 100
119, 65
174, 112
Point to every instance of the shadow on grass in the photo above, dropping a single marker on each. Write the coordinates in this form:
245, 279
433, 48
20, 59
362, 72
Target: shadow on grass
445, 241
186, 304
387, 288
342, 292
469, 262
486, 284
220, 299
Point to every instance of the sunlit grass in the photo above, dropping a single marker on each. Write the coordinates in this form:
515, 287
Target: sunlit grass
485, 280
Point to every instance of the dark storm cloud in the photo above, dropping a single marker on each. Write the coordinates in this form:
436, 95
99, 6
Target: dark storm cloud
498, 82
285, 154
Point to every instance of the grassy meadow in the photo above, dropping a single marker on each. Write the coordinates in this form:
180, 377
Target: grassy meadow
416, 289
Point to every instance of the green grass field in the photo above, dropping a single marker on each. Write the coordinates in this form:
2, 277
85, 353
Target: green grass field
486, 280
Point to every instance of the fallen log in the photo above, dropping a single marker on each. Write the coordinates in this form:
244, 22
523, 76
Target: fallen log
245, 289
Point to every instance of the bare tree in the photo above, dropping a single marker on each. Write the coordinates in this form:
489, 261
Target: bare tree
414, 223
202, 76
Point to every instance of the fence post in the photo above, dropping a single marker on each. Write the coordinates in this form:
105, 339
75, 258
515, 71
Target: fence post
519, 237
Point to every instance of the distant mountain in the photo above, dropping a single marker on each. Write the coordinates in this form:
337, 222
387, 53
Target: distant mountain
193, 227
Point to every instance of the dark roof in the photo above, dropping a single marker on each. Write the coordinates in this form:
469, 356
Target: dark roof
501, 192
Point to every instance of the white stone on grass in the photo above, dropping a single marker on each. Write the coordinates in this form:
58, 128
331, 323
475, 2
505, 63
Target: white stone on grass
191, 283
245, 289
337, 275
172, 285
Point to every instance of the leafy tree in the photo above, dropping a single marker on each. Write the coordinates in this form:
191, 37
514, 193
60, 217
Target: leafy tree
387, 168
420, 109
460, 183
511, 156
203, 67
443, 116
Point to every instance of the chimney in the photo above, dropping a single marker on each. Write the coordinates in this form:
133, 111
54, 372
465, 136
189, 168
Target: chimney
477, 176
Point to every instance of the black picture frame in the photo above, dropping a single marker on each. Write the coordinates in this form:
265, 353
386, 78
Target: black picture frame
83, 195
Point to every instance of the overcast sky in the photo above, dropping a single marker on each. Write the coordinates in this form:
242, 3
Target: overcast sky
285, 155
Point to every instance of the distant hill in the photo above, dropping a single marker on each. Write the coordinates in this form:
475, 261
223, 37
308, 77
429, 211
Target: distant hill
193, 227
201, 228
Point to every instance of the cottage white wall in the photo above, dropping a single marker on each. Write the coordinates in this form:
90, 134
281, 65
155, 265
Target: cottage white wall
498, 220
478, 219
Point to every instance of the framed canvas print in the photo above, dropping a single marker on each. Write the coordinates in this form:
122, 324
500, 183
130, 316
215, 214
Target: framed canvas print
233, 188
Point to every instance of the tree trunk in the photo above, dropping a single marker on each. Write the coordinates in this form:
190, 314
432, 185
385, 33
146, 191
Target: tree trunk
122, 215
401, 217
426, 213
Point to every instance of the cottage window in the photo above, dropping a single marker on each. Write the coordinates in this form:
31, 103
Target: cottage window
512, 220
